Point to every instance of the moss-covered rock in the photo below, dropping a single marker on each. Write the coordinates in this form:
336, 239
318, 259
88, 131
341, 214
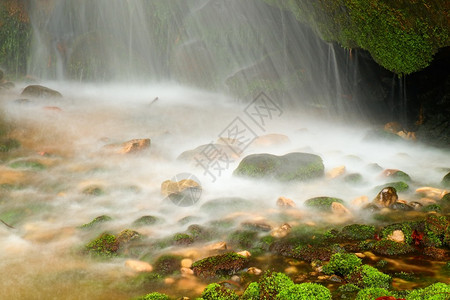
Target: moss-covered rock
96, 221
399, 186
167, 264
436, 228
358, 232
40, 92
27, 164
290, 167
244, 239
446, 180
437, 291
347, 291
369, 277
445, 203
154, 296
432, 207
342, 264
406, 228
322, 203
272, 283
388, 247
215, 291
182, 239
251, 292
7, 144
372, 293
146, 221
353, 178
106, 245
228, 263
305, 291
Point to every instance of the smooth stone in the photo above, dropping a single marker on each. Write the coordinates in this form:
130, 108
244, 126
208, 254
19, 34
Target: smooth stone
397, 236
186, 272
386, 197
284, 202
169, 187
169, 280
336, 172
40, 92
360, 201
254, 271
186, 263
235, 278
217, 246
291, 270
138, 266
432, 192
244, 253
282, 231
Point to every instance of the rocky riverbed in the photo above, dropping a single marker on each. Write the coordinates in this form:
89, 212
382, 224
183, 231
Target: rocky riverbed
123, 191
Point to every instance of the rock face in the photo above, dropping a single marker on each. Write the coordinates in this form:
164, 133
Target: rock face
40, 91
290, 167
386, 197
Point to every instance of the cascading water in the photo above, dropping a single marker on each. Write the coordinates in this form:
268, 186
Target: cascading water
170, 71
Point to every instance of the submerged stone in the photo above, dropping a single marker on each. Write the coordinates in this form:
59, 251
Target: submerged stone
290, 167
228, 263
40, 91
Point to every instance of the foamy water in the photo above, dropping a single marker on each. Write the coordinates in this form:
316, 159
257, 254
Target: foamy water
45, 238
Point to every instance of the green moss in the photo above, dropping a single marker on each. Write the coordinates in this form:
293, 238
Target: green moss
215, 291
322, 203
358, 232
182, 239
146, 220
228, 263
399, 186
15, 38
272, 283
342, 264
167, 264
436, 228
405, 227
105, 245
98, 220
445, 203
243, 239
437, 291
154, 296
372, 293
251, 292
369, 277
446, 180
347, 291
432, 207
27, 164
388, 247
305, 291
6, 145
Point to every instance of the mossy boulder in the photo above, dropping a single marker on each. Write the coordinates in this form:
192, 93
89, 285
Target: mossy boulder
372, 293
182, 239
40, 91
273, 283
290, 167
106, 245
243, 239
445, 203
167, 264
96, 221
388, 247
399, 186
228, 264
215, 291
342, 264
154, 296
446, 180
27, 164
322, 203
369, 277
146, 221
305, 291
7, 144
436, 291
358, 232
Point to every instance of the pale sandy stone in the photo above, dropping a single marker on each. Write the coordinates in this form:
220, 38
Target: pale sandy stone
397, 236
138, 266
336, 172
244, 253
284, 202
186, 263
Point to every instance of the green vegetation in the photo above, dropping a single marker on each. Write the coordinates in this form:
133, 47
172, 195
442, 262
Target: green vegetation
322, 203
342, 264
402, 36
437, 291
215, 291
399, 186
154, 296
251, 292
167, 264
388, 247
372, 293
228, 263
369, 277
98, 220
305, 291
405, 227
146, 220
358, 232
105, 245
273, 283
15, 37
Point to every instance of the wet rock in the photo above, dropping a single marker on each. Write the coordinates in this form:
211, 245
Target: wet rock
98, 220
105, 245
290, 167
182, 239
336, 172
399, 186
388, 247
217, 246
431, 192
322, 203
40, 91
146, 221
353, 178
396, 175
435, 253
131, 146
360, 201
401, 206
186, 272
167, 264
254, 271
340, 210
7, 85
282, 231
257, 225
245, 253
372, 208
284, 202
397, 236
186, 263
416, 205
169, 187
243, 238
386, 197
446, 180
138, 266
358, 232
228, 263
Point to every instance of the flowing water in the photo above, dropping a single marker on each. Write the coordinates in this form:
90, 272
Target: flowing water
137, 61
40, 256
